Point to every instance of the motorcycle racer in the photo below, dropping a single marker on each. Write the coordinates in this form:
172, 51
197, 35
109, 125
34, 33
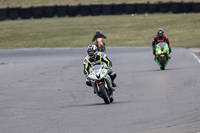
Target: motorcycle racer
98, 35
97, 58
160, 37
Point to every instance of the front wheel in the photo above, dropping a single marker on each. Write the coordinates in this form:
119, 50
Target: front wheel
104, 94
162, 61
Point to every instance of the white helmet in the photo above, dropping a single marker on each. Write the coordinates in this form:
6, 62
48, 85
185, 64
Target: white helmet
92, 50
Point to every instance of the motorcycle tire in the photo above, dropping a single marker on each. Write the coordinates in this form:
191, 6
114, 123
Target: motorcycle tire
104, 94
104, 49
162, 61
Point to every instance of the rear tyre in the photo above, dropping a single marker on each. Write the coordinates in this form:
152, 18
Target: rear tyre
104, 94
104, 49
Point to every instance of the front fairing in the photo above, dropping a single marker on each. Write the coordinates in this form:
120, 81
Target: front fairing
162, 49
97, 72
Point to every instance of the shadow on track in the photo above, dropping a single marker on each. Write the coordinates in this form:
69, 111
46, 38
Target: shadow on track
95, 104
166, 69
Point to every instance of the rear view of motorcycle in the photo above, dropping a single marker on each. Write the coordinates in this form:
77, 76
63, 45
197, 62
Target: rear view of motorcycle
162, 55
100, 45
101, 83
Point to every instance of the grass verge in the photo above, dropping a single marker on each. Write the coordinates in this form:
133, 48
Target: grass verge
198, 54
3, 64
121, 30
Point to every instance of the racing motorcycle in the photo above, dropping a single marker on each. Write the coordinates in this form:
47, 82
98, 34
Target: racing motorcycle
162, 55
100, 45
101, 81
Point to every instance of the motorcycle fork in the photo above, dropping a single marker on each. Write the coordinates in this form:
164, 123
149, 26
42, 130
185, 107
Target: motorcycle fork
97, 84
105, 83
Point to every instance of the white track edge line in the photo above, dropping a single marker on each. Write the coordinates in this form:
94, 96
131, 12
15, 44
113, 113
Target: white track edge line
195, 56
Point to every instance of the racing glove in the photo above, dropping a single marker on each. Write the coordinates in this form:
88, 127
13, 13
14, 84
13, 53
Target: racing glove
109, 69
86, 76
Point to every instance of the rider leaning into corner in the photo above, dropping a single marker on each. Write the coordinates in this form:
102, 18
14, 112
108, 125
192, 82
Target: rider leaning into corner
97, 58
98, 35
160, 37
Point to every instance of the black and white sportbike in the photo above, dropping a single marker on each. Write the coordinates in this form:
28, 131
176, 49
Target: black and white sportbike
101, 82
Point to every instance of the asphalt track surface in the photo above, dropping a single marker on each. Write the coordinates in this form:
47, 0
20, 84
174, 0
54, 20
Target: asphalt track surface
44, 91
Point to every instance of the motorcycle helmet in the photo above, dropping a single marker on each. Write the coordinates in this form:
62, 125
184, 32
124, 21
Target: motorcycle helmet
160, 32
98, 32
92, 50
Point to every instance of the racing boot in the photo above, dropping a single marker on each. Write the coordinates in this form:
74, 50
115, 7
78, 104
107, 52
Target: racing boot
111, 98
113, 84
112, 88
95, 92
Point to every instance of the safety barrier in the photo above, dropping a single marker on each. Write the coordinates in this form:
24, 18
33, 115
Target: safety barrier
101, 9
61, 11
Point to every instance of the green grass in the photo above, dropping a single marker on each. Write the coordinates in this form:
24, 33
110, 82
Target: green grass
27, 3
198, 54
122, 30
3, 64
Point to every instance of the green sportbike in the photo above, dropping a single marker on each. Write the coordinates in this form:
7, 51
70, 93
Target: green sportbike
162, 55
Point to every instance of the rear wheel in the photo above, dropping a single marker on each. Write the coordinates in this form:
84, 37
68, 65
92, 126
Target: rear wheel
104, 49
104, 94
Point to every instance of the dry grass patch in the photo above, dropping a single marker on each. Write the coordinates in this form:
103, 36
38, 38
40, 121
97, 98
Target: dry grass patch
121, 30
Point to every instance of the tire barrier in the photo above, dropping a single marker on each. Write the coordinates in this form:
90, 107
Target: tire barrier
38, 12
107, 9
49, 11
61, 11
3, 14
130, 8
176, 7
141, 8
119, 9
73, 10
84, 10
14, 13
165, 7
196, 7
25, 13
153, 8
187, 7
98, 9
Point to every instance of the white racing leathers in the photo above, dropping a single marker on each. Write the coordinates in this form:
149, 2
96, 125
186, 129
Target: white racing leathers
99, 59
